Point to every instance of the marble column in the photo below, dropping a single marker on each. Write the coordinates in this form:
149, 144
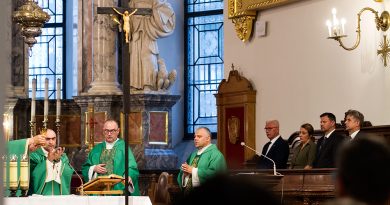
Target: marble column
104, 52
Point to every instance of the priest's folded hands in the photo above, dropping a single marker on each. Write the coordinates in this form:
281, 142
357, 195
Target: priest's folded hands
187, 169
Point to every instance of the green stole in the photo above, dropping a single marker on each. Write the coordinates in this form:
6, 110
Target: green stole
189, 185
107, 157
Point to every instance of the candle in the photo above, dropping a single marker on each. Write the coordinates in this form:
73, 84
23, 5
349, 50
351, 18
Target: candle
4, 170
34, 88
58, 99
343, 26
46, 102
329, 24
13, 173
24, 172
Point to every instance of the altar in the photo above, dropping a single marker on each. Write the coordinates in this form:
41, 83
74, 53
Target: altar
75, 199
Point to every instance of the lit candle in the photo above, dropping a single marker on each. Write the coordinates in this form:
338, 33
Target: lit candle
58, 99
343, 26
329, 24
34, 88
334, 16
46, 102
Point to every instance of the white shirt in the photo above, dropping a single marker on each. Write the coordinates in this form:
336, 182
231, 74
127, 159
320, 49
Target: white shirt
272, 142
195, 177
327, 136
353, 135
53, 169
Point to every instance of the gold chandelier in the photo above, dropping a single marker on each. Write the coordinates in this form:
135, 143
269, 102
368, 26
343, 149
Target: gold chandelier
31, 19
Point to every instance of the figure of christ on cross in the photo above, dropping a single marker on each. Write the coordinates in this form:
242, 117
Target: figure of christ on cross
152, 19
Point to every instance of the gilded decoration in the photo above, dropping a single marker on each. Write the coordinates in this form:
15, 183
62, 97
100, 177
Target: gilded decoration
233, 129
244, 12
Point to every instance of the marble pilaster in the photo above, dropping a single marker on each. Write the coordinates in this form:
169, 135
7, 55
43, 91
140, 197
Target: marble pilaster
104, 52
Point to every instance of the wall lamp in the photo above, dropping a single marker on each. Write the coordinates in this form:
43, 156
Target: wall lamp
337, 32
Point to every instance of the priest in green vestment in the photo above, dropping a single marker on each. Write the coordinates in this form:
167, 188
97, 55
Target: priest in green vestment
50, 171
203, 163
19, 148
108, 158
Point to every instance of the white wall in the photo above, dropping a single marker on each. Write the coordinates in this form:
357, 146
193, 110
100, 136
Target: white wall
171, 50
299, 74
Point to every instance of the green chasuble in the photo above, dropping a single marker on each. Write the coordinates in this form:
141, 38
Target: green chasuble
210, 162
38, 174
117, 163
17, 147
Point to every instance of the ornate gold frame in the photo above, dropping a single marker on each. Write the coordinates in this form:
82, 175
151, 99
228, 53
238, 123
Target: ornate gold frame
244, 12
87, 127
138, 139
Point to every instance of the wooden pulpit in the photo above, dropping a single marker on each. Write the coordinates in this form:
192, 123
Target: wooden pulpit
236, 103
102, 185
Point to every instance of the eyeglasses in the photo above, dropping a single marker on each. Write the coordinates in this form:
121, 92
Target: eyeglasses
110, 131
269, 128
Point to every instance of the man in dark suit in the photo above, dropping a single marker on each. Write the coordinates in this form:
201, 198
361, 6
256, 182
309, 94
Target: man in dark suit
277, 148
328, 144
353, 122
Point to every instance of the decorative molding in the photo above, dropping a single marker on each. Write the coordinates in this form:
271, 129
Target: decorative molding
244, 12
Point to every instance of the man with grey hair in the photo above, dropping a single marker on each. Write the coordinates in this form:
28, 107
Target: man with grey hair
277, 148
202, 164
353, 122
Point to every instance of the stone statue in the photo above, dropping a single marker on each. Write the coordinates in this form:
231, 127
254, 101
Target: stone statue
145, 63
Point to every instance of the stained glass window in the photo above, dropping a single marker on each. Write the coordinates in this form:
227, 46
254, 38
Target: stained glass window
204, 59
47, 56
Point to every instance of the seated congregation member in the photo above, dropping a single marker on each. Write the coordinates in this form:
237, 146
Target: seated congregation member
202, 164
108, 158
353, 122
305, 153
363, 175
328, 145
50, 172
277, 148
19, 148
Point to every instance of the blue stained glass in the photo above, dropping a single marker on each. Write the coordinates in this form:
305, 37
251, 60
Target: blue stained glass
204, 5
48, 54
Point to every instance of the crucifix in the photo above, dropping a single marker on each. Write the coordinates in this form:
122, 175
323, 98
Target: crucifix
124, 66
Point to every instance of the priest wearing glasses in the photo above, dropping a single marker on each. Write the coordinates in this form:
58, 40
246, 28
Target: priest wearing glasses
108, 158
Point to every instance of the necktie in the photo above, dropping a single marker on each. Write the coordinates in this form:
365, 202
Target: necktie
194, 164
267, 147
323, 142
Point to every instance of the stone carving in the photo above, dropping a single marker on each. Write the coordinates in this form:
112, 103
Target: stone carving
147, 70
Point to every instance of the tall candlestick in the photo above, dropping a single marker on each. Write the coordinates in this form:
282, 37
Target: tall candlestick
13, 172
58, 113
46, 102
24, 172
34, 88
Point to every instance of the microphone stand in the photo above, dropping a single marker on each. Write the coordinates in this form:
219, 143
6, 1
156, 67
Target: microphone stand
81, 190
260, 155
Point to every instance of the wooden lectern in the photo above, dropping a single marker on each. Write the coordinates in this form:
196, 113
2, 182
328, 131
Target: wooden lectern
102, 185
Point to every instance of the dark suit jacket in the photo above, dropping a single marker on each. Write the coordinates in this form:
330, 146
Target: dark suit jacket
279, 153
360, 134
326, 154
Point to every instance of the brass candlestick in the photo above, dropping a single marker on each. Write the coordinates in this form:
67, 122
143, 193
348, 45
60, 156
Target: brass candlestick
13, 175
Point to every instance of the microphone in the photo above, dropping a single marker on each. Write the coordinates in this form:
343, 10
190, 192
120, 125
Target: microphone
81, 188
261, 155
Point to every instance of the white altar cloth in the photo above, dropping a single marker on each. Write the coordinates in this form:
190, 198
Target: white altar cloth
77, 200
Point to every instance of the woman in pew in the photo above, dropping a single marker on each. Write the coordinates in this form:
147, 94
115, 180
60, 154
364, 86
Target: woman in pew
305, 153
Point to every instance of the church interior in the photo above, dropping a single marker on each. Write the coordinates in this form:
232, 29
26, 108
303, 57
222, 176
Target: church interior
214, 60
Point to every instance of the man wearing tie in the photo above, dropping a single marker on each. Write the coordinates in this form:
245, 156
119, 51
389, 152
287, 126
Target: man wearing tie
277, 148
328, 144
353, 122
